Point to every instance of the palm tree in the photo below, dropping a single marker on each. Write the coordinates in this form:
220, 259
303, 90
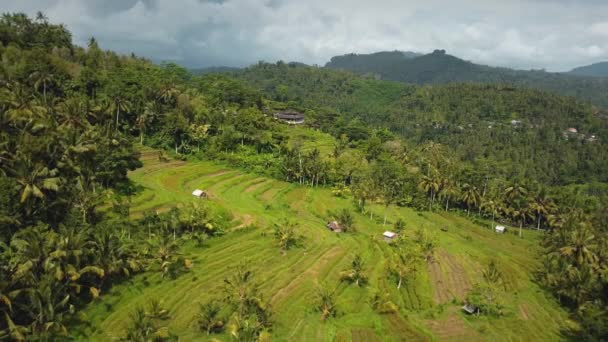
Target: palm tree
165, 251
355, 273
470, 196
71, 114
49, 306
581, 246
286, 236
434, 154
493, 208
209, 319
42, 78
114, 256
520, 212
448, 190
168, 94
430, 186
35, 180
404, 265
142, 328
243, 294
542, 205
120, 103
143, 119
325, 302
514, 192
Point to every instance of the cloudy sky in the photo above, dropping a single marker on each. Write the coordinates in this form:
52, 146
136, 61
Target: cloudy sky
552, 34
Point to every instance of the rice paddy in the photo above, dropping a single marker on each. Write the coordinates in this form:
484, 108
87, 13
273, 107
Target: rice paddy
429, 305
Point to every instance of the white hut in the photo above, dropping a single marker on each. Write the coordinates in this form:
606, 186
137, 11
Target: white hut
199, 193
389, 236
500, 229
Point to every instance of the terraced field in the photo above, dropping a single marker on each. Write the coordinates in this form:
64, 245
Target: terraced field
429, 305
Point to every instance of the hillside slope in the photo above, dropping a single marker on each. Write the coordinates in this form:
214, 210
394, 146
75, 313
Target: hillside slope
593, 70
429, 305
439, 67
474, 120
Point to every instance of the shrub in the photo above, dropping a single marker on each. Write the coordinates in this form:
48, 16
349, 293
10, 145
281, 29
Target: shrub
485, 298
399, 224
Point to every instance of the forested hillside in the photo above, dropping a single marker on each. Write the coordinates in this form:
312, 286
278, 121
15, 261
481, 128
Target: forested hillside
81, 219
593, 70
517, 132
439, 68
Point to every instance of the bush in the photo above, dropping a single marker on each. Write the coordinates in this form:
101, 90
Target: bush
487, 299
345, 218
399, 225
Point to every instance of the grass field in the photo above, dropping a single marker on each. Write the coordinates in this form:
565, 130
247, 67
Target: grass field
429, 305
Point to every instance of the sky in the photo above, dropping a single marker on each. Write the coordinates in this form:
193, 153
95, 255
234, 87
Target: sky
556, 35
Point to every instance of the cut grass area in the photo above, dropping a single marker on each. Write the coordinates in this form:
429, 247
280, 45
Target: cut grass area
429, 307
308, 139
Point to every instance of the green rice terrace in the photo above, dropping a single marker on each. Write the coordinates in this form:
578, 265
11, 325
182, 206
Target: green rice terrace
429, 305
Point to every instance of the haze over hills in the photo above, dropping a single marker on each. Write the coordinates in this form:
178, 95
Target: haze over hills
594, 70
439, 67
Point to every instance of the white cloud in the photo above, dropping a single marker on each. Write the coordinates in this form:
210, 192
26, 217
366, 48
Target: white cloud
555, 34
600, 28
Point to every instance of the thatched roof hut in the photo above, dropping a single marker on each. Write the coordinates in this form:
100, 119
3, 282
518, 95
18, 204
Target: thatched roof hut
291, 117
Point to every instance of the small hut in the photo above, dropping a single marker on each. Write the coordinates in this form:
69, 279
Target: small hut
470, 309
389, 236
334, 226
572, 130
199, 193
500, 229
290, 117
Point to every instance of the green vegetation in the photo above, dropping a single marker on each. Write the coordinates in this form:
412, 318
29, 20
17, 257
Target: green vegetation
99, 154
493, 129
441, 68
593, 70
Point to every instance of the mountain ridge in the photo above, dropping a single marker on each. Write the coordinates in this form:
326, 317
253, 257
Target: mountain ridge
599, 69
439, 67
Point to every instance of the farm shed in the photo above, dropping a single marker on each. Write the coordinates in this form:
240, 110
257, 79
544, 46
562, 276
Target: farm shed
199, 193
470, 309
389, 236
334, 226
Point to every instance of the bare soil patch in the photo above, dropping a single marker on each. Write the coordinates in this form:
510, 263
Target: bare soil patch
449, 278
452, 328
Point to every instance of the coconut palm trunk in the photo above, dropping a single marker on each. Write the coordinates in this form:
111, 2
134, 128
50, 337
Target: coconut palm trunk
521, 225
117, 115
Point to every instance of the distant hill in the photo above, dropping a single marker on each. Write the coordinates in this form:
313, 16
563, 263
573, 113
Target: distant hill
439, 68
213, 70
363, 62
593, 70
